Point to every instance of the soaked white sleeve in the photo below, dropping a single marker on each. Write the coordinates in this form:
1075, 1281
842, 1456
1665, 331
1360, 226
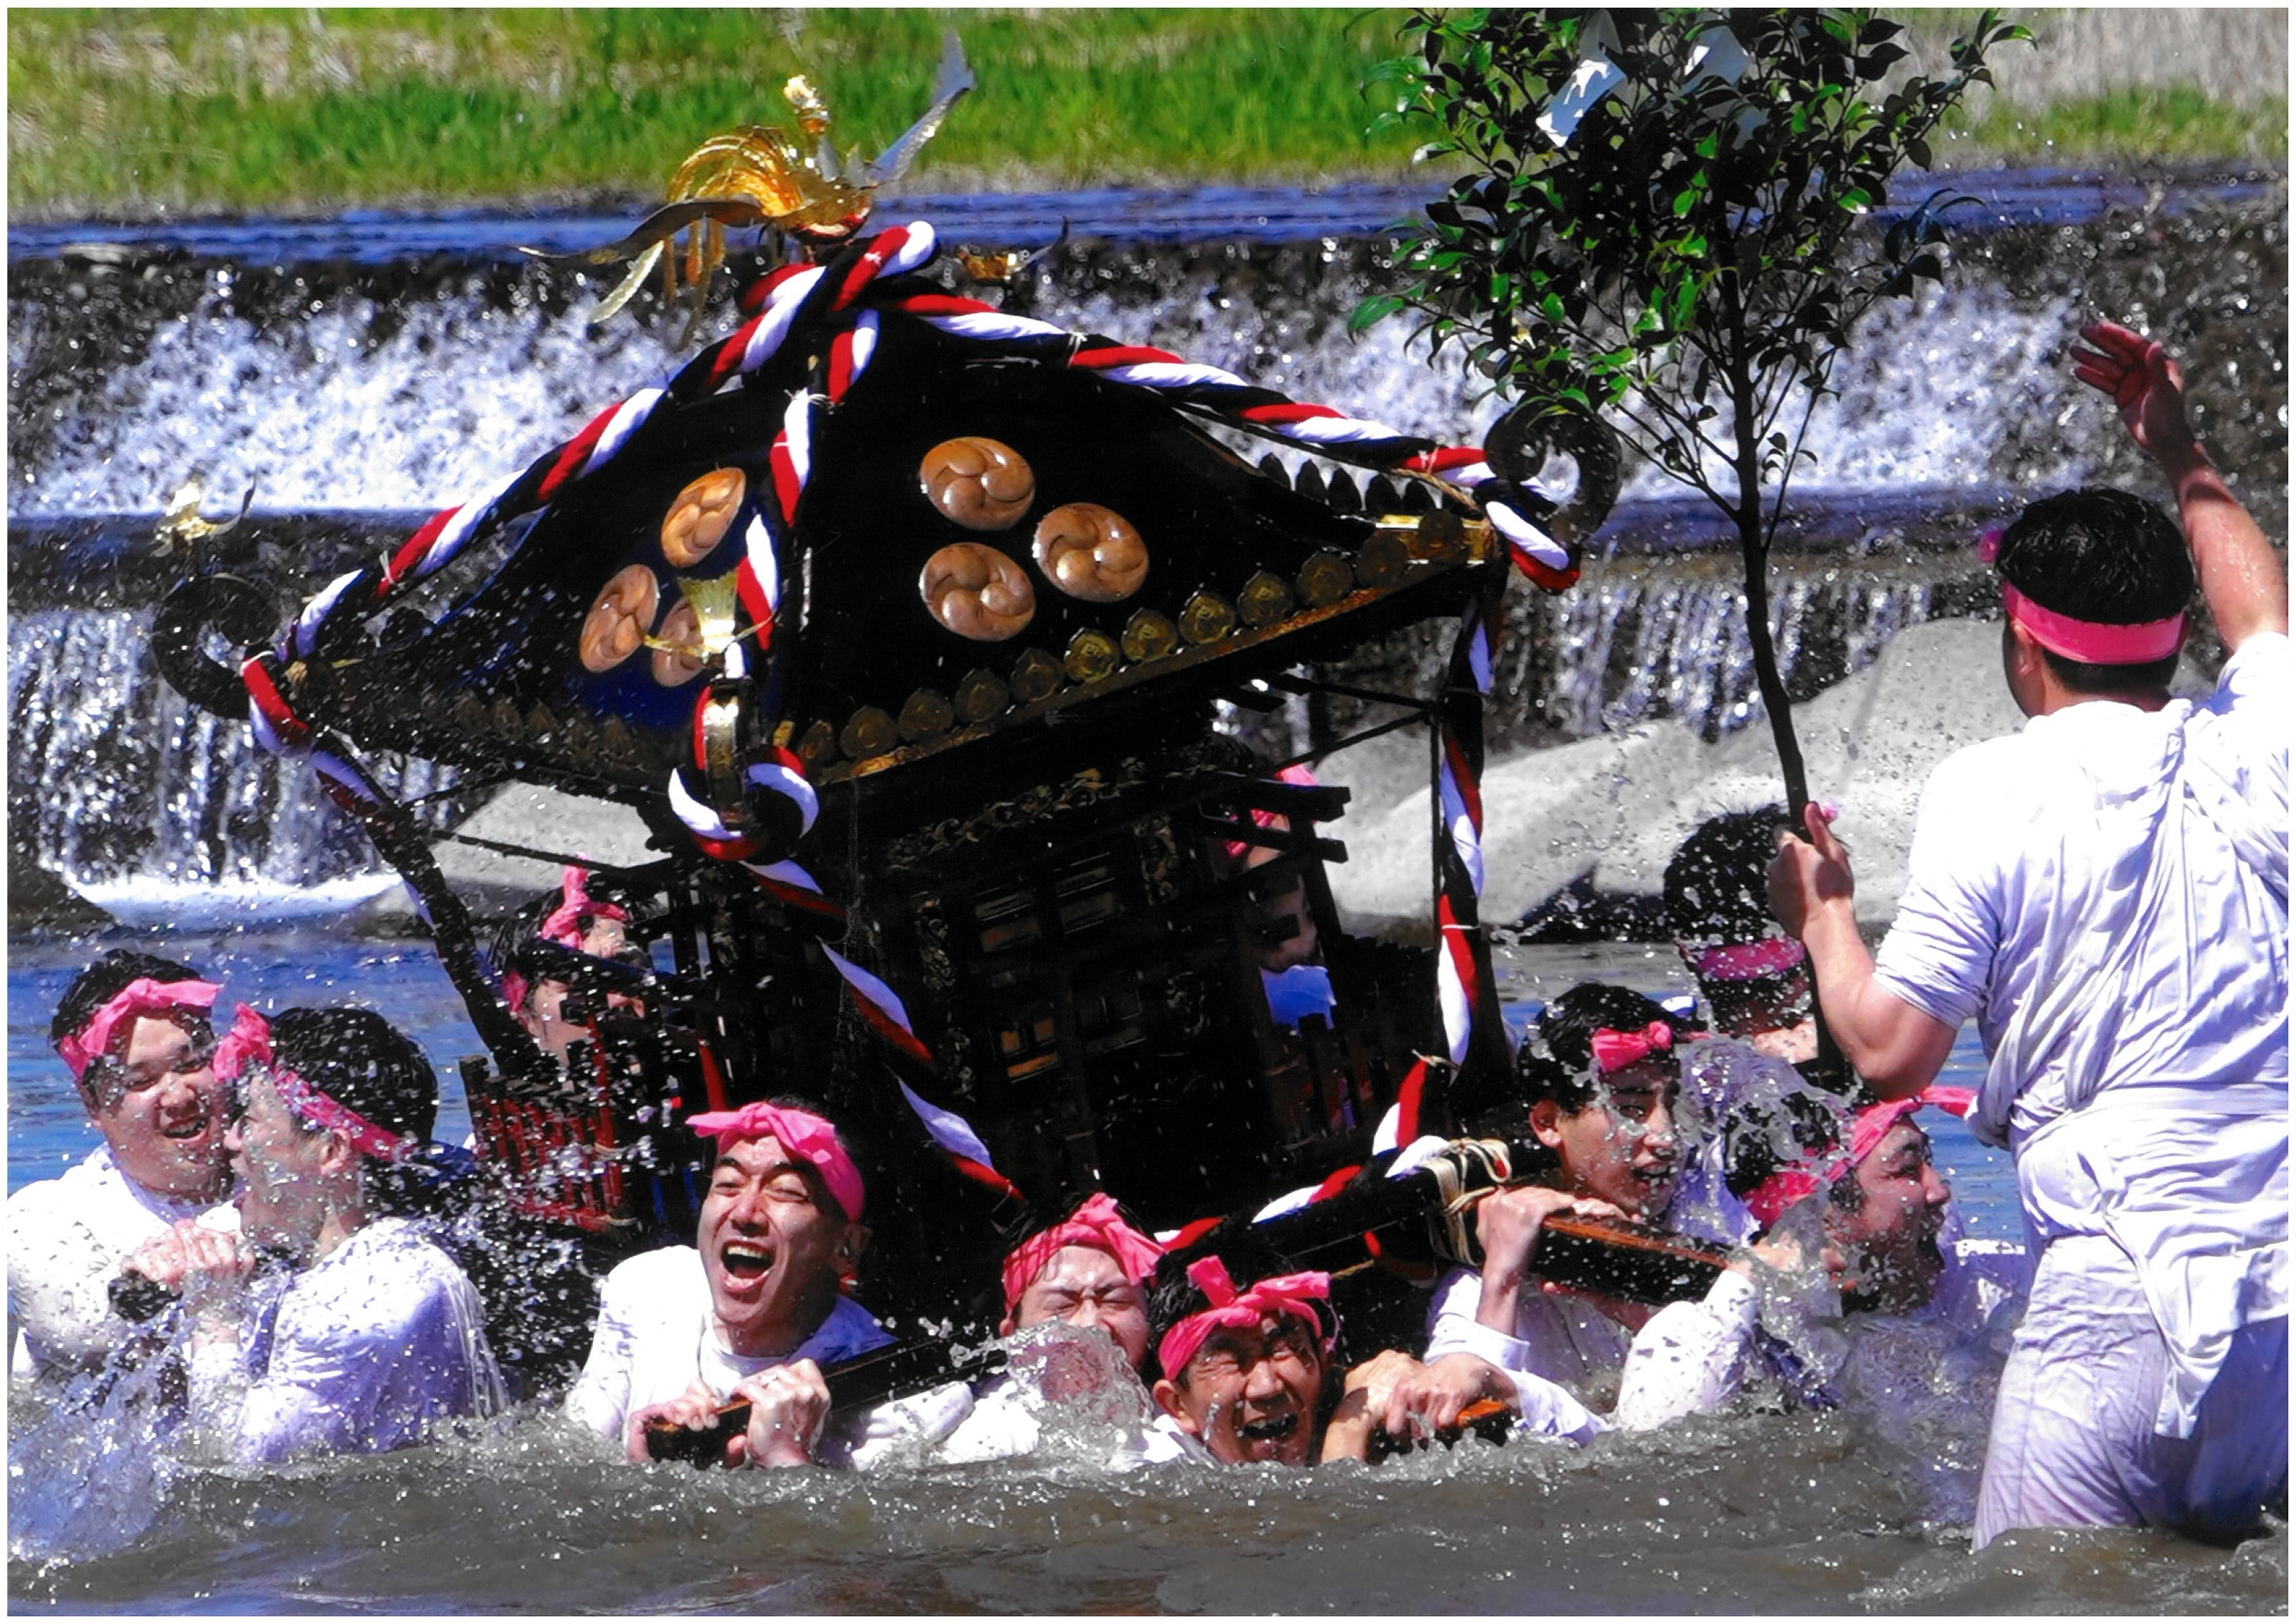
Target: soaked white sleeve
1688, 1357
599, 1398
278, 1418
364, 1363
215, 1387
1456, 1300
2236, 754
1165, 1440
1939, 953
897, 1432
58, 1288
1542, 1406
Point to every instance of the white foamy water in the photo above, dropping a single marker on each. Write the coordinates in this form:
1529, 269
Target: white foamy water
141, 902
434, 399
356, 406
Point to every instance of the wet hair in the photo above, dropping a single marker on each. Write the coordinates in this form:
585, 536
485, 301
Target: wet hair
1564, 1072
1717, 884
364, 1064
1248, 1258
2101, 555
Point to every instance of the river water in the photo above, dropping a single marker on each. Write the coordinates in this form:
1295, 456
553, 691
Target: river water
366, 369
1740, 1513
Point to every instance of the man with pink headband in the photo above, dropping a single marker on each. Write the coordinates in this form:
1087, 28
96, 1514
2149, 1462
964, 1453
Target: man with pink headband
1885, 1213
332, 1324
1603, 1098
752, 1310
1752, 1096
571, 917
1244, 1365
1090, 1270
134, 1029
2106, 893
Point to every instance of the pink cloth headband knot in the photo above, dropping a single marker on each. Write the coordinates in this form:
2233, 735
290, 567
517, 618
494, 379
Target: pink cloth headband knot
141, 997
1278, 1296
564, 925
1749, 960
1870, 1125
1097, 1224
248, 1043
803, 1135
1770, 1198
1616, 1051
2094, 641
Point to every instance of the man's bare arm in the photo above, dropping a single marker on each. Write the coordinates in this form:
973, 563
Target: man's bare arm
1897, 1048
2241, 577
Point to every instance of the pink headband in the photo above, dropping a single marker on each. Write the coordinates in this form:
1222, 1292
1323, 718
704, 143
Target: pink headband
1283, 1294
564, 925
1867, 1130
1870, 1125
2093, 641
248, 1042
141, 997
1616, 1051
803, 1135
1264, 819
1095, 1224
304, 1098
1749, 960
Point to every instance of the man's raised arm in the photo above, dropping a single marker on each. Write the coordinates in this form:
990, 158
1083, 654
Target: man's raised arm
2241, 577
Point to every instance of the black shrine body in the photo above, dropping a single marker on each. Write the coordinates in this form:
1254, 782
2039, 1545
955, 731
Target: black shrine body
1024, 819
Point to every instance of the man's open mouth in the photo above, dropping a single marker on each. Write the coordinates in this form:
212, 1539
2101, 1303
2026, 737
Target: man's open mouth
1273, 1429
745, 1261
190, 1128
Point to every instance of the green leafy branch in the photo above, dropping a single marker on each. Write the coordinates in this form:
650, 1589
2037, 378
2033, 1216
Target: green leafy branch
1693, 256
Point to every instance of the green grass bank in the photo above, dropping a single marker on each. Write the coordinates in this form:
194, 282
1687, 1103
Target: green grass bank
131, 112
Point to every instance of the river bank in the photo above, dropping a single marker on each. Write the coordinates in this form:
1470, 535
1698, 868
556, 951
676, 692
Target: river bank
142, 114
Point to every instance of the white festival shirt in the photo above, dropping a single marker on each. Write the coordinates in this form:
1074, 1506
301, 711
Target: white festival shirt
2106, 893
365, 1350
67, 1239
1564, 1350
657, 1336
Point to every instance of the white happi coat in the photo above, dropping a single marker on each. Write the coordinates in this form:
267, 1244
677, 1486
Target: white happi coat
657, 1336
2106, 891
365, 1350
1563, 1354
67, 1239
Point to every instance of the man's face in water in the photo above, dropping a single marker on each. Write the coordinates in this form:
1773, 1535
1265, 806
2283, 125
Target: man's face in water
1891, 1238
1083, 1285
1249, 1394
282, 1199
1621, 1148
160, 1108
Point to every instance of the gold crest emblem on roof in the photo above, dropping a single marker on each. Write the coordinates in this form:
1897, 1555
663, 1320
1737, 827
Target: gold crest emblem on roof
758, 175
